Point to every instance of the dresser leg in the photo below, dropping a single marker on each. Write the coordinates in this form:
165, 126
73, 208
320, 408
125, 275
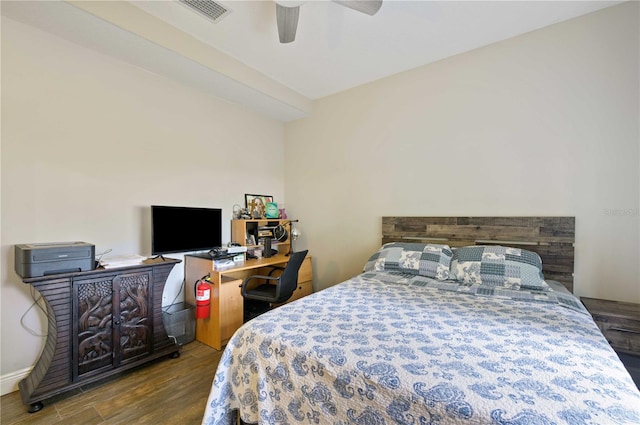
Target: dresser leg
35, 407
175, 354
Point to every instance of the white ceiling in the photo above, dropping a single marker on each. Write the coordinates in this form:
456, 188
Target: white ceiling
336, 48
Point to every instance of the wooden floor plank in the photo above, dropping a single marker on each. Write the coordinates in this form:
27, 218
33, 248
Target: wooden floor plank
167, 391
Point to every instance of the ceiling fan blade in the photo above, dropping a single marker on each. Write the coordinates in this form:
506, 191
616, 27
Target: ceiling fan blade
370, 7
287, 20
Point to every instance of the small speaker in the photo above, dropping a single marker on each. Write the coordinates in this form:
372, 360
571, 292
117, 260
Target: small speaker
267, 248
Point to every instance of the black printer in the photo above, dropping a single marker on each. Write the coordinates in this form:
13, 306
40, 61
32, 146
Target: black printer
40, 259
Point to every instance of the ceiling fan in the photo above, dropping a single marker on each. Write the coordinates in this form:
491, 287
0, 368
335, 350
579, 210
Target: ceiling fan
287, 13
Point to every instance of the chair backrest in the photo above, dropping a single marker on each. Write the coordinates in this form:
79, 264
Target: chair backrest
289, 279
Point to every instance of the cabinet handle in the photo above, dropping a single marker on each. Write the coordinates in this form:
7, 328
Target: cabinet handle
630, 331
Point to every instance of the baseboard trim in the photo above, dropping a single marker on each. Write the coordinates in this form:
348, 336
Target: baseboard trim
9, 382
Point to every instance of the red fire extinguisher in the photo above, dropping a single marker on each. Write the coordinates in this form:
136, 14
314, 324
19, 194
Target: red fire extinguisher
203, 297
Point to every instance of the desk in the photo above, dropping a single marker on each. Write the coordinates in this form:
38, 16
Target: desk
226, 308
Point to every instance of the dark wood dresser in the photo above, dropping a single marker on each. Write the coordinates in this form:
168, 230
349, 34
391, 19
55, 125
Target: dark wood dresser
100, 322
620, 324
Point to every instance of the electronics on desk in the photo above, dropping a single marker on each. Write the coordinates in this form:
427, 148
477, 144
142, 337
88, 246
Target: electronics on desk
267, 248
219, 253
223, 263
237, 249
233, 252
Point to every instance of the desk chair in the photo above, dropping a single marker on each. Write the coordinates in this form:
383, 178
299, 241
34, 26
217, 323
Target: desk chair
258, 300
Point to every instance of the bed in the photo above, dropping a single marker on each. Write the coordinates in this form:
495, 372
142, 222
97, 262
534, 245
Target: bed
440, 338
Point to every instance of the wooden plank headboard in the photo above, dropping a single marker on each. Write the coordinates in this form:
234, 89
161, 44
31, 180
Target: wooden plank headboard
551, 237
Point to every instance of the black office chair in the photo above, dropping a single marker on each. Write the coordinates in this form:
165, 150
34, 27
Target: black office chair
258, 300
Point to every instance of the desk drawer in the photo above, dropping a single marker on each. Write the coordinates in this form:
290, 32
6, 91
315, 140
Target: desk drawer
303, 289
305, 273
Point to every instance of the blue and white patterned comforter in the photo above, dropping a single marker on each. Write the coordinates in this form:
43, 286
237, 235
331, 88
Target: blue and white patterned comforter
385, 349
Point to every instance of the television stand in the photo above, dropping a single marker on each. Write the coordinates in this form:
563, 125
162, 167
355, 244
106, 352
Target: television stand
94, 331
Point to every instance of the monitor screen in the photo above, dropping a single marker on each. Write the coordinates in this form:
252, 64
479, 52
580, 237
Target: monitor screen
183, 229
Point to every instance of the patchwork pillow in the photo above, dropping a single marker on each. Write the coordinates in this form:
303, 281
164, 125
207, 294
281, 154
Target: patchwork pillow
430, 260
498, 266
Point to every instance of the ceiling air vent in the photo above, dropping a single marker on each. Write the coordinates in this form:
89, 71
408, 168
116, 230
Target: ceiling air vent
208, 8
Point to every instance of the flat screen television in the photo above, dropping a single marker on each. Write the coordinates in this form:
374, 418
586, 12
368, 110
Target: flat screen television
184, 229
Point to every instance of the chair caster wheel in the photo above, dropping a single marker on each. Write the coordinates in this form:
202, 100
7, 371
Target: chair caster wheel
35, 407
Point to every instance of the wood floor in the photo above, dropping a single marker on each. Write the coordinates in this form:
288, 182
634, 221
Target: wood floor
167, 391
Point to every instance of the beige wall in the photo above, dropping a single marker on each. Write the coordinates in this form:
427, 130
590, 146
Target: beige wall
88, 143
542, 124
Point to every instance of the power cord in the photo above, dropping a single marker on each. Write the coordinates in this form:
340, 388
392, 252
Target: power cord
99, 256
36, 302
165, 309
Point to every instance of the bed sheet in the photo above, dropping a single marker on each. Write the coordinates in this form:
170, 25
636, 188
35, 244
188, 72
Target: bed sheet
386, 348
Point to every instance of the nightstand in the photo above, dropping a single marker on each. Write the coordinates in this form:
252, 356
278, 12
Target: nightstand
620, 324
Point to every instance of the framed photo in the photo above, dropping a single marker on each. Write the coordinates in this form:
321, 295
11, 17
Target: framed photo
272, 210
256, 204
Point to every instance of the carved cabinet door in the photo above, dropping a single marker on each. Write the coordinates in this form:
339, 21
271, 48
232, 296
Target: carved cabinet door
134, 329
112, 321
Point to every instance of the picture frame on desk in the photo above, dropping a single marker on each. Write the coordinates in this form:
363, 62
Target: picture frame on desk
271, 210
256, 204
